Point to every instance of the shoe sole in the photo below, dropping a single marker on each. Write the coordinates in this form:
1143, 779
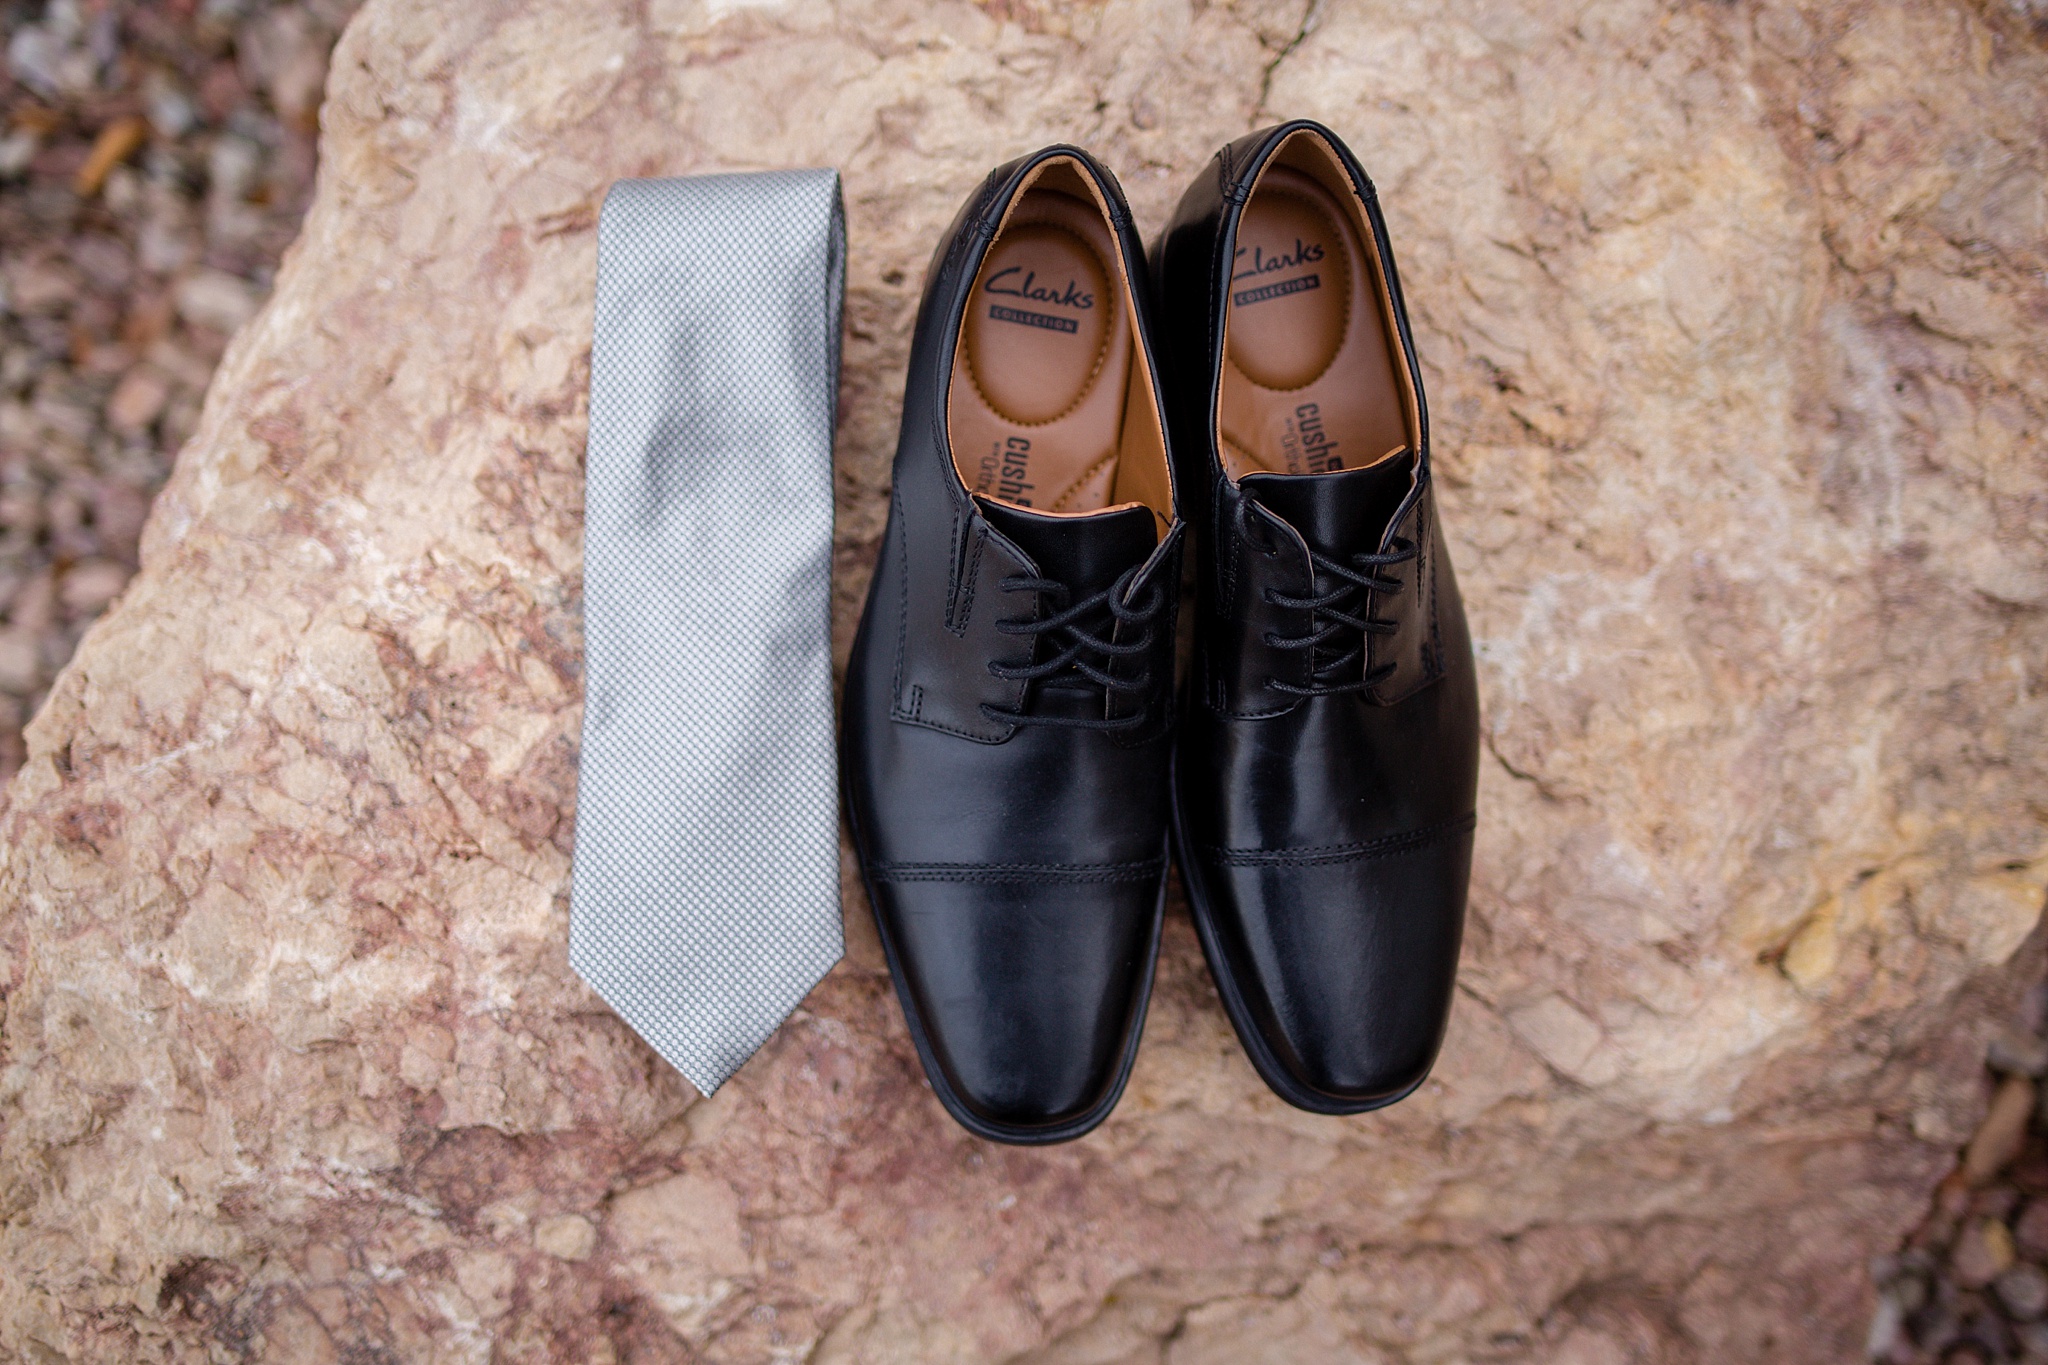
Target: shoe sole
1276, 1077
1016, 1136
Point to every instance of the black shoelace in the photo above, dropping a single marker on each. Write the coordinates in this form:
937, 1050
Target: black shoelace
1074, 663
1353, 577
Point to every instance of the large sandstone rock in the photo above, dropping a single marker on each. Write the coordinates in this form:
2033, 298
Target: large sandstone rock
1732, 319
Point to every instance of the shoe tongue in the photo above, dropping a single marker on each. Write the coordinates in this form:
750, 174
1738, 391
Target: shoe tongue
1340, 513
1087, 552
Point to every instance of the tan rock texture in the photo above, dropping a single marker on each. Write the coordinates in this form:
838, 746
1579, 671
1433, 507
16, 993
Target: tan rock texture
1732, 314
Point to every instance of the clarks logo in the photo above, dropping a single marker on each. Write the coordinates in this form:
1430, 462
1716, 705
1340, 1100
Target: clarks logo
1029, 288
1304, 253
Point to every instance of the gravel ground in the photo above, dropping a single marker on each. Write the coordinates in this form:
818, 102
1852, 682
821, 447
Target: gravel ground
154, 164
1970, 1287
155, 160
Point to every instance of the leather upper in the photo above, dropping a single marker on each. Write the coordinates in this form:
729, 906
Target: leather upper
1325, 839
1016, 870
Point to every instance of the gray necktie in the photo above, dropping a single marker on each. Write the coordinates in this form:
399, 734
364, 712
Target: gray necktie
705, 897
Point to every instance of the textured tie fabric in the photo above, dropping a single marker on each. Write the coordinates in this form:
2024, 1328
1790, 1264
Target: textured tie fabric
705, 895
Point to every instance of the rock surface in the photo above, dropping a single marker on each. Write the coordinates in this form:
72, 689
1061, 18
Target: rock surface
1731, 316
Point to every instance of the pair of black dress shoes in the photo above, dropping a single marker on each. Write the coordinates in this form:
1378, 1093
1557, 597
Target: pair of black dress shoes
1012, 760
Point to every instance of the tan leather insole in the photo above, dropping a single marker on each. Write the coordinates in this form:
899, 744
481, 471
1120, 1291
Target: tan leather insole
1309, 385
1036, 410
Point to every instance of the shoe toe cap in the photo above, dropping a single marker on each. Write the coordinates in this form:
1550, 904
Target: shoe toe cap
1346, 967
1026, 994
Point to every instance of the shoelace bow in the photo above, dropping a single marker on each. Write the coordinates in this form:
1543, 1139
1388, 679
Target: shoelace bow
1355, 575
1077, 643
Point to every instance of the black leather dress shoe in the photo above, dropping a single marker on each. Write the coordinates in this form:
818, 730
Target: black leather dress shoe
1327, 762
1008, 703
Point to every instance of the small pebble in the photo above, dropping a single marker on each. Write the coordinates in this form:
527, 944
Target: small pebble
17, 149
1887, 1327
139, 399
2016, 1052
116, 142
2023, 1290
2030, 1230
20, 664
216, 299
1991, 1332
1981, 1254
2003, 1133
170, 113
1934, 1327
90, 584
